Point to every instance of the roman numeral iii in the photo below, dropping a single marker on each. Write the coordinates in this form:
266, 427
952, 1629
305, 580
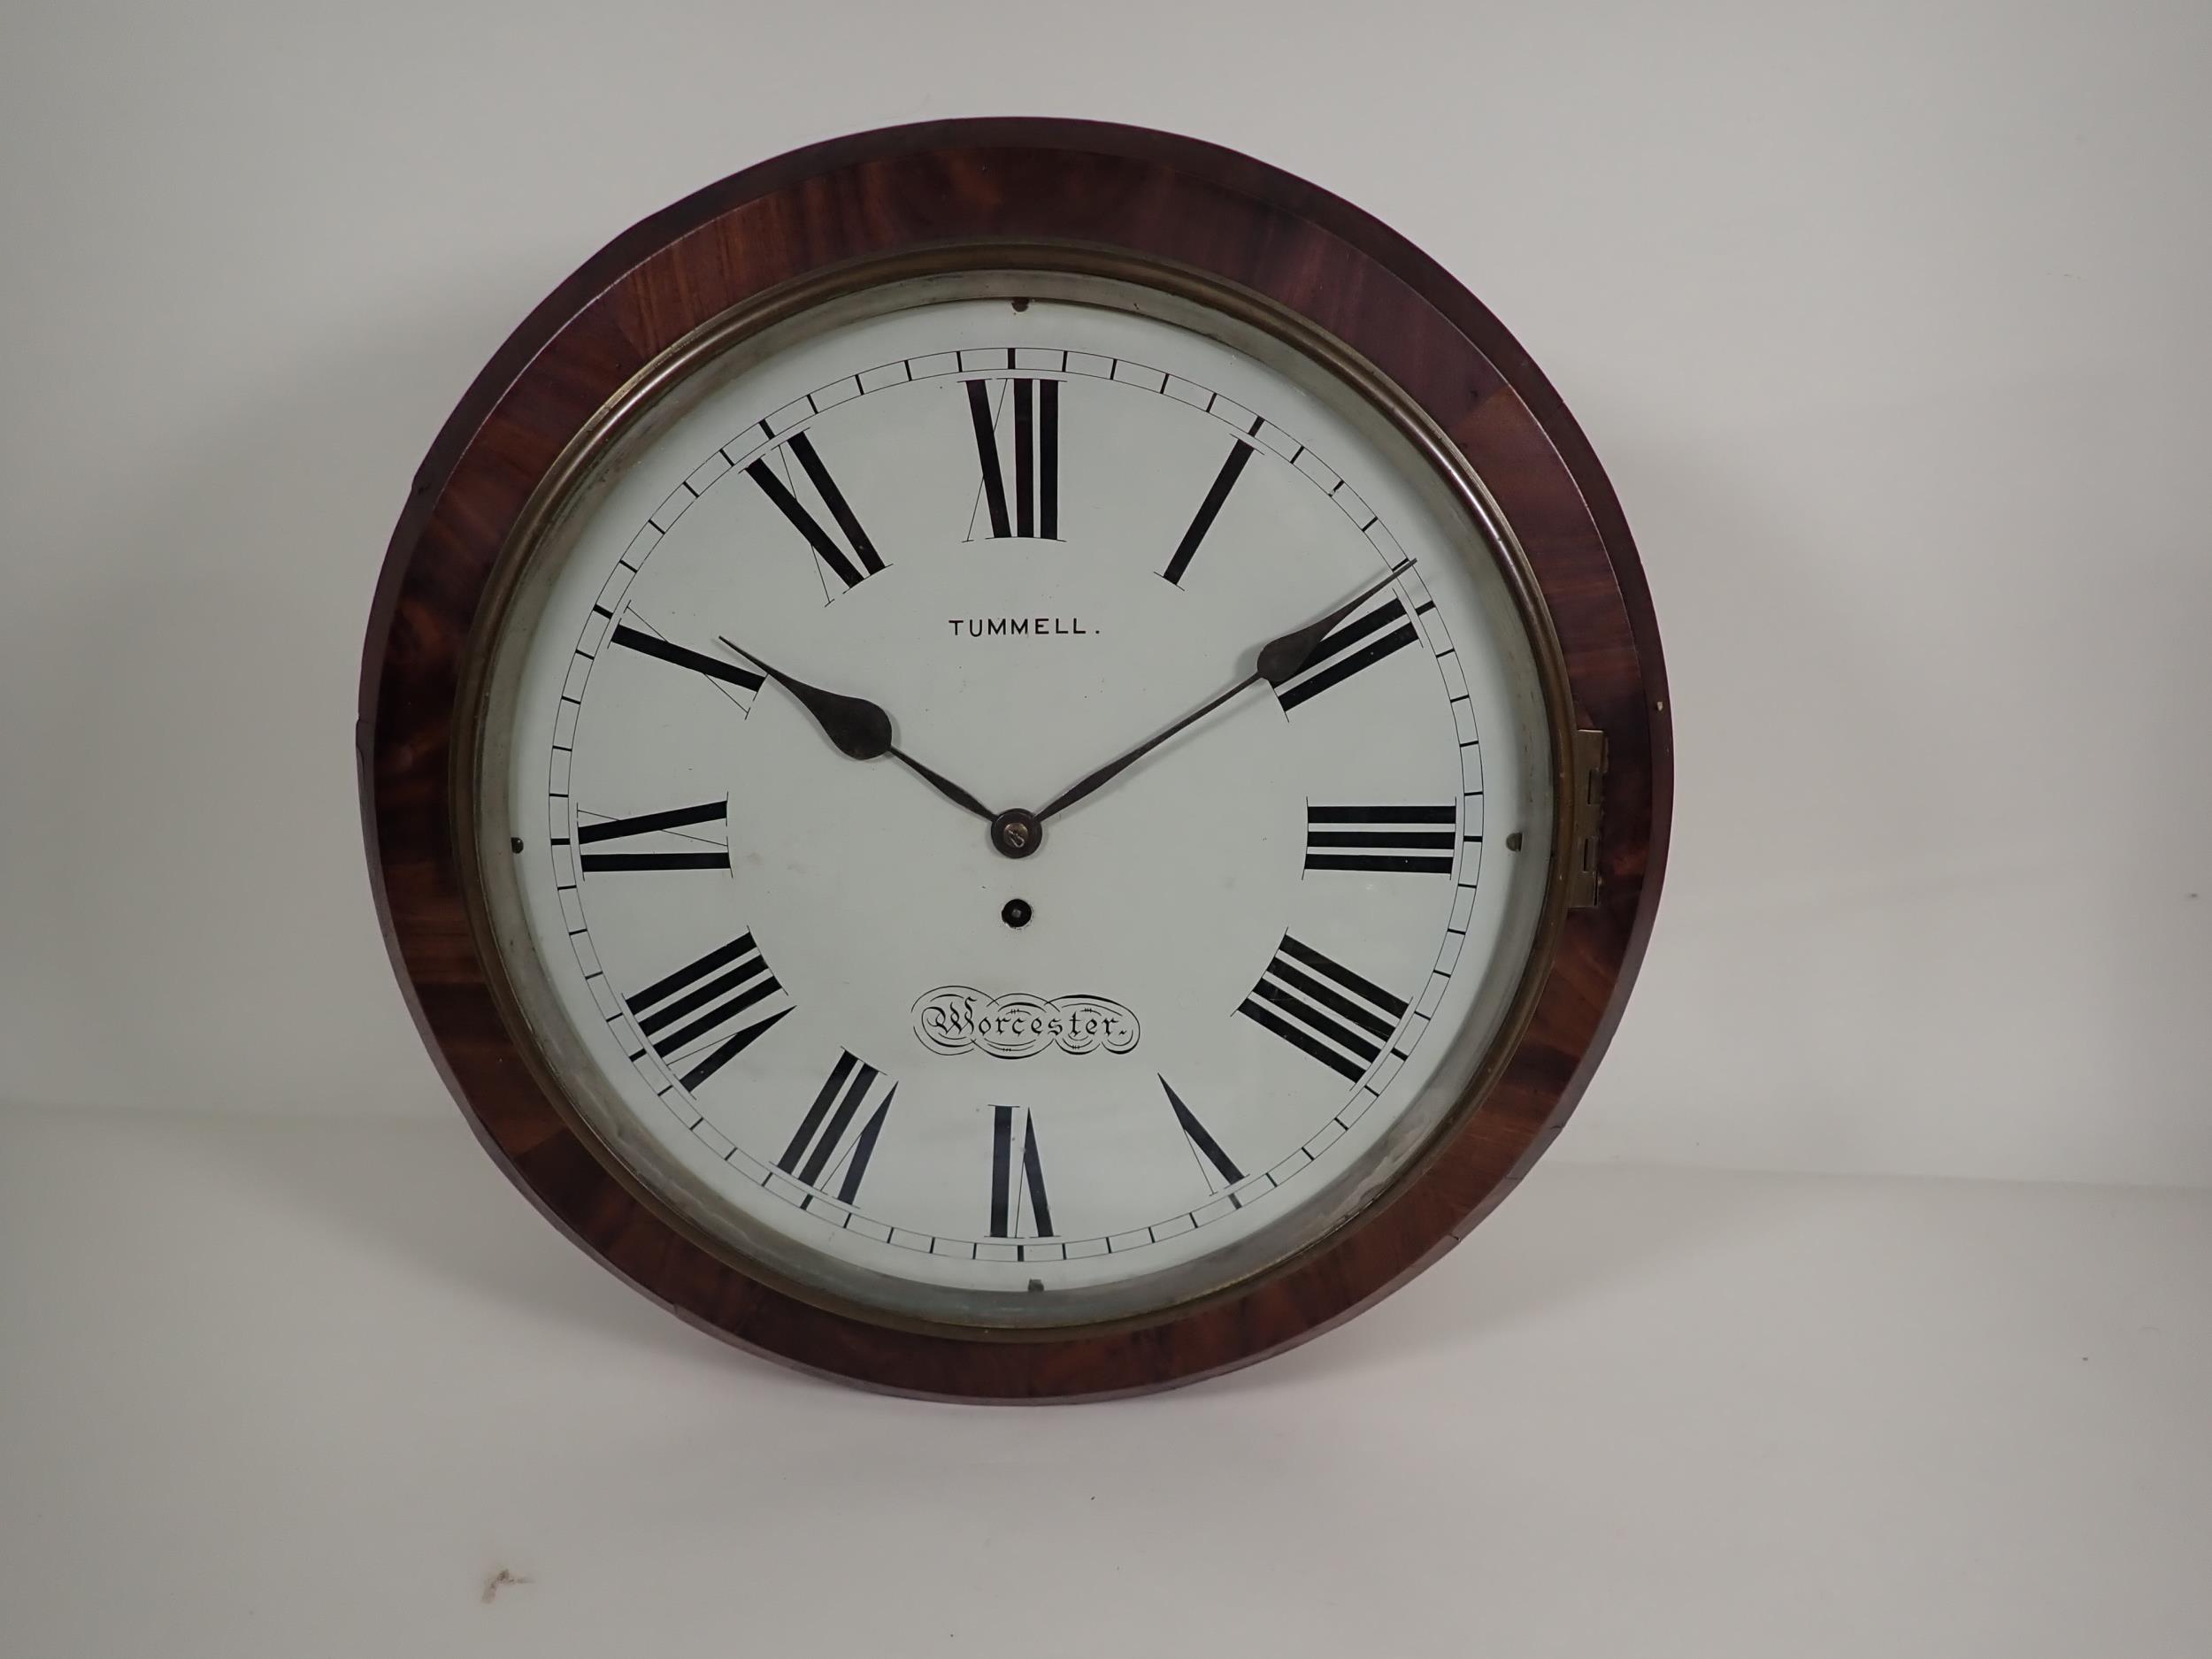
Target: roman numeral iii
691, 1018
822, 1131
1035, 445
851, 568
1016, 1186
1325, 1009
671, 824
1411, 839
1385, 630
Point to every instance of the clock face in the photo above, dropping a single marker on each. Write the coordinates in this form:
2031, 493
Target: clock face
810, 1002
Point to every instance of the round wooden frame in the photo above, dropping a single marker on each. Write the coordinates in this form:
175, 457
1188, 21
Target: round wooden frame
1014, 181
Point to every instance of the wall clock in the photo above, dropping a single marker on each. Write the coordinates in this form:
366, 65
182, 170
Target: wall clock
1014, 759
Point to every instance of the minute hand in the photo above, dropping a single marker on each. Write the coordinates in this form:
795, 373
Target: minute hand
1280, 660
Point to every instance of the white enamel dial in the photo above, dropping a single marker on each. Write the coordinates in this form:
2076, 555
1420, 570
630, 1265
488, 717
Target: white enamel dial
804, 996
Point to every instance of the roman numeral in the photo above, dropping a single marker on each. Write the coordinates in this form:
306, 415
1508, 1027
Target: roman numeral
1389, 838
1036, 448
820, 1133
1009, 1186
713, 667
653, 823
1202, 1142
1325, 1009
852, 569
699, 1000
1387, 629
1209, 509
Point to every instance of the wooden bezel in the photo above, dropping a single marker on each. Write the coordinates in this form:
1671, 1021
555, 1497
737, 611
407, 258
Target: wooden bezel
903, 190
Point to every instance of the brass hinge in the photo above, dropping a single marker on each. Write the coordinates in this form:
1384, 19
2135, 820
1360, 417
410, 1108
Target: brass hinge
1589, 808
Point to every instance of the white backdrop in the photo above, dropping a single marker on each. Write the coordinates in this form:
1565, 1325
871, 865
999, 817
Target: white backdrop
1887, 322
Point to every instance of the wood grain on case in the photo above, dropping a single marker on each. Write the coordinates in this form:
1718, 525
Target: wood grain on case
882, 193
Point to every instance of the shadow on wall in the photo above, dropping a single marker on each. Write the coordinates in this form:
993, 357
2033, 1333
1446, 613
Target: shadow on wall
1565, 1240
1798, 733
209, 938
424, 1196
1927, 907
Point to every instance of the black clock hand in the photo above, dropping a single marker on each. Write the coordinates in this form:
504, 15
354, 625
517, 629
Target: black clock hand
1107, 774
1285, 655
1280, 660
860, 728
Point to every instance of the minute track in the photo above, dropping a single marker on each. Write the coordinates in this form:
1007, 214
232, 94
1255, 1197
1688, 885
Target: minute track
1260, 450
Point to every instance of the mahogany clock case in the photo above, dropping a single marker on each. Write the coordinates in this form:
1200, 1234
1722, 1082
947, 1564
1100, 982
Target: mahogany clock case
1010, 194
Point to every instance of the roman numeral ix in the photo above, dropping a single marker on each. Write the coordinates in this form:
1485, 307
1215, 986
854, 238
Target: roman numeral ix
1009, 1184
814, 1145
1325, 1009
693, 1006
1415, 840
851, 568
1036, 450
1387, 629
675, 819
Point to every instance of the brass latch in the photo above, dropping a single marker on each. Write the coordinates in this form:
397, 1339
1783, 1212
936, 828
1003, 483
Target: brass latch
1587, 807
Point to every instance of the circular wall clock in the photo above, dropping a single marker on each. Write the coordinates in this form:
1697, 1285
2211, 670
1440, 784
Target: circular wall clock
1014, 759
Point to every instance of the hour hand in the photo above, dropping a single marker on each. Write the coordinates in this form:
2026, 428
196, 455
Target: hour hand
859, 728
